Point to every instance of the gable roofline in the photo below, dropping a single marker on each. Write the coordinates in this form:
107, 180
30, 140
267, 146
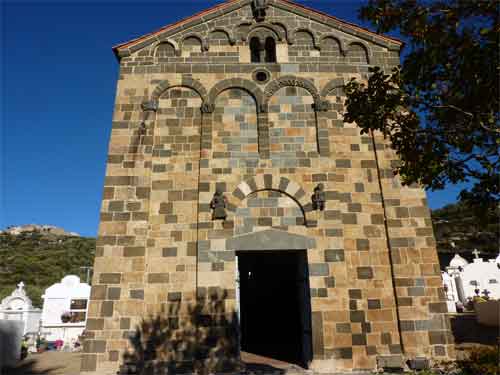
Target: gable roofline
322, 15
178, 26
126, 48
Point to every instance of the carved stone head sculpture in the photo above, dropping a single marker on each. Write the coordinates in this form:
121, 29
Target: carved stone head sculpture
318, 198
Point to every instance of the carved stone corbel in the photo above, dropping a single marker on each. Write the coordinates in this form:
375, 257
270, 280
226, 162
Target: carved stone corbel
263, 108
218, 205
204, 45
207, 108
149, 106
318, 198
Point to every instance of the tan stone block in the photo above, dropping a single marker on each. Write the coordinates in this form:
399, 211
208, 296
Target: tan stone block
130, 307
422, 339
281, 52
208, 278
388, 302
380, 315
378, 244
336, 316
431, 269
94, 309
328, 304
361, 360
429, 255
133, 277
382, 273
416, 312
409, 339
342, 340
112, 228
138, 265
373, 339
356, 328
118, 335
380, 284
116, 345
105, 265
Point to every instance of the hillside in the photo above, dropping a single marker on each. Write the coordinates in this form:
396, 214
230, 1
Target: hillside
467, 229
41, 259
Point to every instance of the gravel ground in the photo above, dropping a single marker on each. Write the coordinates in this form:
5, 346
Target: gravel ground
47, 363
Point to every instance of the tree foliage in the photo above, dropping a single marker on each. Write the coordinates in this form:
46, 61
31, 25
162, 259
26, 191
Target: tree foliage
40, 260
440, 108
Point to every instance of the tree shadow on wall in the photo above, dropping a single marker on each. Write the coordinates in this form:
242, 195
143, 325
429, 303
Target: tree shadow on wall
200, 338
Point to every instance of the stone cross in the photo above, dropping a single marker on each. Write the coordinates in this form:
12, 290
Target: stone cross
20, 286
476, 253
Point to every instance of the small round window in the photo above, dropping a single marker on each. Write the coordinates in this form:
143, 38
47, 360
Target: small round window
261, 76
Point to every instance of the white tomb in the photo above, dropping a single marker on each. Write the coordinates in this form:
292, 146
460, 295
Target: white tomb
463, 280
18, 306
69, 297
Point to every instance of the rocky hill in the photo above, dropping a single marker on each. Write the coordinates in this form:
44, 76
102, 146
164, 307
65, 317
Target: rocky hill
41, 258
44, 229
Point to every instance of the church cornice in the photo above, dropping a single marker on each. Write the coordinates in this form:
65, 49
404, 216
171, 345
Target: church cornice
127, 48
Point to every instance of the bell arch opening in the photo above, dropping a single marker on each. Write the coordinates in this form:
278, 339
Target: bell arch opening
270, 48
255, 50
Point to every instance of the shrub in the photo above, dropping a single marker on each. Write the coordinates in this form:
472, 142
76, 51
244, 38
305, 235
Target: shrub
481, 361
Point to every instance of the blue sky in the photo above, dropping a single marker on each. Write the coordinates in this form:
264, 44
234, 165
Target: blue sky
57, 88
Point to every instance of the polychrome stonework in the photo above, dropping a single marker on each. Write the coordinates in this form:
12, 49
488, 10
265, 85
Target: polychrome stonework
191, 117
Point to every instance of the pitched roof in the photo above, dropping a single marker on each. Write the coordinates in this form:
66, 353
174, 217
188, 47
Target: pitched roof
229, 5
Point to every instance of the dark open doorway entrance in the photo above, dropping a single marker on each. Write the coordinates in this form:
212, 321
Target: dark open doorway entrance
275, 307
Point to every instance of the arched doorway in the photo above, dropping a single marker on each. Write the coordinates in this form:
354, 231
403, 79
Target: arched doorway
273, 293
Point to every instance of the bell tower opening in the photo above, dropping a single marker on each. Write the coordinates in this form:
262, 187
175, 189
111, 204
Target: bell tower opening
270, 50
255, 49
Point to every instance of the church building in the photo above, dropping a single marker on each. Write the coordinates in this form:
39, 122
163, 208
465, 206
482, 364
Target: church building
231, 173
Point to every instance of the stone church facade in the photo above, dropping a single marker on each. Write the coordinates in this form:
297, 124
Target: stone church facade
227, 143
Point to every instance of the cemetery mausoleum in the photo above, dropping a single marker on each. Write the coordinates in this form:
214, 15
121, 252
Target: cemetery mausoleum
64, 310
232, 174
